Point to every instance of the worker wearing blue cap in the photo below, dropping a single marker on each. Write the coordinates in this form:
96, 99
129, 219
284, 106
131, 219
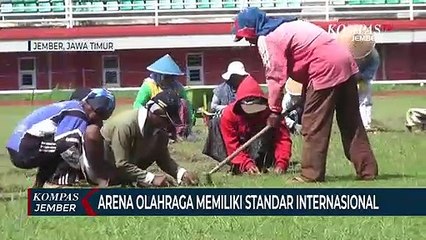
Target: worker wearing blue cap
164, 73
59, 132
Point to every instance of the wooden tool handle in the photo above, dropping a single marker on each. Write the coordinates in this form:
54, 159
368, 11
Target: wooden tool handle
241, 148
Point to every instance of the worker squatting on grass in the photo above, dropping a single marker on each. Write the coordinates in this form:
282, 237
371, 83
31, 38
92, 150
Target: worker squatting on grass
62, 133
239, 122
135, 139
71, 134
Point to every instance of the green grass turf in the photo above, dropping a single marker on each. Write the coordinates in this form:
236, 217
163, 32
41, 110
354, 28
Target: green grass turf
58, 94
401, 158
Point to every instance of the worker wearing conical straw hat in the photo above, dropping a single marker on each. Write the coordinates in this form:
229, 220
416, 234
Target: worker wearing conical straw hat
164, 73
293, 96
361, 42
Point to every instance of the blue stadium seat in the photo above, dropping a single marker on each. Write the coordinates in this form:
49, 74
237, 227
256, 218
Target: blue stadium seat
393, 1
216, 4
87, 4
77, 6
6, 6
138, 5
125, 5
177, 4
294, 3
354, 2
58, 6
150, 4
338, 2
44, 6
97, 6
254, 3
268, 3
18, 6
229, 4
281, 3
190, 4
111, 6
164, 4
30, 6
371, 2
203, 3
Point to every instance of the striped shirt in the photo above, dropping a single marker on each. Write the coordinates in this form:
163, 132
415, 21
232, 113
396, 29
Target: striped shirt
57, 119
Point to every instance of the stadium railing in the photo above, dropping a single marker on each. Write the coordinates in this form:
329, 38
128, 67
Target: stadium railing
70, 13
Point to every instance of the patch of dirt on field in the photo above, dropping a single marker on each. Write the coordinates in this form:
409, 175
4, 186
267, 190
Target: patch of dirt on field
401, 93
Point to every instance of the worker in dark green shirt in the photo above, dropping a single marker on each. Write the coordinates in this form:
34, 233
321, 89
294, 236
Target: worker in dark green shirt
135, 139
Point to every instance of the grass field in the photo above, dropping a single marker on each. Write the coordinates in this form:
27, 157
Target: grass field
401, 158
58, 94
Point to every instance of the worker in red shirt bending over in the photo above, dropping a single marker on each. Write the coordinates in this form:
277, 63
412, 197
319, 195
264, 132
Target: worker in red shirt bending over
244, 118
305, 52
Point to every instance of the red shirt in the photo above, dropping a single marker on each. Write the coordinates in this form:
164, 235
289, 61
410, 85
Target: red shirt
305, 52
237, 128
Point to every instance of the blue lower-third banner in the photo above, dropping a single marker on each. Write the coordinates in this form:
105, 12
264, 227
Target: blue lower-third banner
228, 202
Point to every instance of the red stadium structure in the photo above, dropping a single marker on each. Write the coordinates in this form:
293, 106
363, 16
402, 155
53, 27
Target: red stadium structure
197, 33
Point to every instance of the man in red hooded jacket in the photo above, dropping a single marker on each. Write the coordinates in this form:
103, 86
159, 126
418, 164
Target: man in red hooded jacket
244, 118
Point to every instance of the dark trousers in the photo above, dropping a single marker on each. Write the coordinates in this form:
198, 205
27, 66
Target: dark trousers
317, 120
93, 146
65, 174
31, 156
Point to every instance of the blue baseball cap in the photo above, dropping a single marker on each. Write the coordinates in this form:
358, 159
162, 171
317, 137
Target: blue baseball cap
102, 101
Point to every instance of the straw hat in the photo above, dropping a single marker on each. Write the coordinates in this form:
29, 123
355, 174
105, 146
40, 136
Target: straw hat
293, 88
359, 39
165, 65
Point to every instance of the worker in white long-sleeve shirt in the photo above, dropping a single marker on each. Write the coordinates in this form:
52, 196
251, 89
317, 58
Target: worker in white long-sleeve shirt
368, 61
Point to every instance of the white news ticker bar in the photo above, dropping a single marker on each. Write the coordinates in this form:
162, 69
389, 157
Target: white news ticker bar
70, 46
26, 91
166, 42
